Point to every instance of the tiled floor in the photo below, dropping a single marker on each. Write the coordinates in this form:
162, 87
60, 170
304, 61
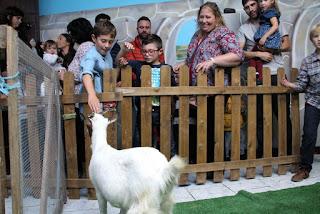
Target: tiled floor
200, 192
211, 189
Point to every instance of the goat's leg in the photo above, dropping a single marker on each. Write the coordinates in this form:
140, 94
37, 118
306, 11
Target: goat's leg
102, 203
167, 203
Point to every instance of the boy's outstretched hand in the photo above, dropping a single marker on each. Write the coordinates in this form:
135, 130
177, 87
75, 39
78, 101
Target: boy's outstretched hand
94, 103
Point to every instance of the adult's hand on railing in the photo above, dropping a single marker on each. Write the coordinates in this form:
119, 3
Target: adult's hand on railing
204, 66
177, 66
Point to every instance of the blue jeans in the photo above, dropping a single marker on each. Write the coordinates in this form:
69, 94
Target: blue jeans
309, 137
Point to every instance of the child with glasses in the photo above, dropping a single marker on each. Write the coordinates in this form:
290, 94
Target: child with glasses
151, 50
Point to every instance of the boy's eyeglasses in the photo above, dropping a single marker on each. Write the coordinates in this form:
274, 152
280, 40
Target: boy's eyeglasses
150, 52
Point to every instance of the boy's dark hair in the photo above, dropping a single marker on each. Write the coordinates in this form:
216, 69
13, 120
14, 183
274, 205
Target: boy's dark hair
153, 38
104, 27
80, 29
245, 2
102, 16
143, 18
10, 11
48, 44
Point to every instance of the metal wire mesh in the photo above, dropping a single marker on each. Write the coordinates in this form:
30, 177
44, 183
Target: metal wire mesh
41, 147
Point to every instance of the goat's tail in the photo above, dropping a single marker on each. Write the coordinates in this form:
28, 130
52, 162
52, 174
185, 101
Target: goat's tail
174, 169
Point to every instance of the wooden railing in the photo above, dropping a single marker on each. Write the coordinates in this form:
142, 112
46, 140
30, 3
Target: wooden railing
183, 91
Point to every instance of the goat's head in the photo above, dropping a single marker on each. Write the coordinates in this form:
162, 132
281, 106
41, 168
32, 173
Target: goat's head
100, 120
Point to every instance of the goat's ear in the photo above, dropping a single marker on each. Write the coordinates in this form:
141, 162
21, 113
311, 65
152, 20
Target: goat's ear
113, 118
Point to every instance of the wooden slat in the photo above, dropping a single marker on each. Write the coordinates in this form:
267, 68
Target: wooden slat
201, 128
165, 113
228, 165
145, 108
70, 135
282, 123
252, 123
184, 121
295, 122
81, 98
14, 131
267, 123
219, 125
126, 109
33, 137
202, 90
87, 141
235, 124
109, 85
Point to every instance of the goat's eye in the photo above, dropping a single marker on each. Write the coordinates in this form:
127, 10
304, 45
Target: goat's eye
90, 116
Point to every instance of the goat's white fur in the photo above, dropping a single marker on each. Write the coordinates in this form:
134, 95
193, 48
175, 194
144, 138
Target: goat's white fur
137, 180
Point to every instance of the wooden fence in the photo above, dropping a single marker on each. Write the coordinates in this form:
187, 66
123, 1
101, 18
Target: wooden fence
183, 91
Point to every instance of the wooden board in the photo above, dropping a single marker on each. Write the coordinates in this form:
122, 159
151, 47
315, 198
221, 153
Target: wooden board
252, 123
235, 124
219, 125
145, 108
184, 121
70, 135
201, 128
282, 123
165, 113
267, 122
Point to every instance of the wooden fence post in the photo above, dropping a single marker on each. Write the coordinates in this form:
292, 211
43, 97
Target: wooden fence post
219, 125
126, 110
109, 85
70, 135
267, 122
282, 123
165, 113
295, 122
184, 113
145, 108
202, 128
252, 122
88, 151
235, 124
14, 133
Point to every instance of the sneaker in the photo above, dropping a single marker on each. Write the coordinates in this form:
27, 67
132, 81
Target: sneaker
302, 174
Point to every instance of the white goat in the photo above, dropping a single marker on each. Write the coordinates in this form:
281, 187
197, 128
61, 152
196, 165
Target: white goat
137, 180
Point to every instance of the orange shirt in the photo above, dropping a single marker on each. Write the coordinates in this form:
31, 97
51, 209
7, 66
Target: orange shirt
136, 55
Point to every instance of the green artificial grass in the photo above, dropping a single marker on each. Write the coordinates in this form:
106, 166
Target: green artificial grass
305, 199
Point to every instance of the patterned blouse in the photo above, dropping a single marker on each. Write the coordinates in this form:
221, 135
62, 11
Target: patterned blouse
75, 64
220, 41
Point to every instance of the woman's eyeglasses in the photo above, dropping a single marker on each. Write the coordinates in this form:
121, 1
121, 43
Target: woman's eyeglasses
150, 52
